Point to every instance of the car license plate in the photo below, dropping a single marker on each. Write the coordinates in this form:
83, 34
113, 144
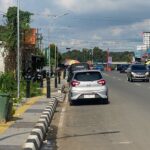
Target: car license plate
89, 96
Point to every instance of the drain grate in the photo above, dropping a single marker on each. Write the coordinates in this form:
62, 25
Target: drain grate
23, 125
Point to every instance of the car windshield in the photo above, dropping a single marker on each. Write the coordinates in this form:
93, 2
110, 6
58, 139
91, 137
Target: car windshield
79, 66
138, 67
88, 76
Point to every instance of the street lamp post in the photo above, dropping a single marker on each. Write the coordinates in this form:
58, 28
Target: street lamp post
49, 76
18, 50
56, 66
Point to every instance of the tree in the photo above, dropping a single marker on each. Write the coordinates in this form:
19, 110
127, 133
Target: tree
11, 34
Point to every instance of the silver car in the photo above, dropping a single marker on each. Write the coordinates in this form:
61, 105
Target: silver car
88, 84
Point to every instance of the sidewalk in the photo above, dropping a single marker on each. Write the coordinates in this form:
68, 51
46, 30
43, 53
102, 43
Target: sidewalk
14, 134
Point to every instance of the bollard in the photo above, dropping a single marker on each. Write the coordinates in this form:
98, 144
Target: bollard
55, 79
59, 75
48, 87
41, 82
64, 74
28, 88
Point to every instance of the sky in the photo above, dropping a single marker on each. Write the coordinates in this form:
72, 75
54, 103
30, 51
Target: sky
116, 25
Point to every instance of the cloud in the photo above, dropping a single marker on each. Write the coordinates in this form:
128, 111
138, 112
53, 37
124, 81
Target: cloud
82, 6
116, 31
5, 4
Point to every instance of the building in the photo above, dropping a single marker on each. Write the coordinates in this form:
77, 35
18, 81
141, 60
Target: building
2, 64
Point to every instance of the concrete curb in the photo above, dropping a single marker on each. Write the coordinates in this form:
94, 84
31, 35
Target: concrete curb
38, 133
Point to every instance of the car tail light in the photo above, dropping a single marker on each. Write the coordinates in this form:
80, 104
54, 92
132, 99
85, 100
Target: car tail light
102, 82
75, 83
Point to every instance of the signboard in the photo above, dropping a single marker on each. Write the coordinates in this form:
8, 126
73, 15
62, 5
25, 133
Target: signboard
109, 60
30, 37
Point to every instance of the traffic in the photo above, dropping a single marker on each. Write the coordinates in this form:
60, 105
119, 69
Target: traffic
89, 124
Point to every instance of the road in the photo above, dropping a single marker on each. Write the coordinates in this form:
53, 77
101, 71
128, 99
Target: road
124, 124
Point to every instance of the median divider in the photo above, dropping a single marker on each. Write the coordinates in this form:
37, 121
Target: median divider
38, 133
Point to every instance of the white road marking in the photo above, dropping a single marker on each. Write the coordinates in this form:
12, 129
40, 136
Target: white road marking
60, 124
137, 84
125, 142
119, 79
105, 74
62, 114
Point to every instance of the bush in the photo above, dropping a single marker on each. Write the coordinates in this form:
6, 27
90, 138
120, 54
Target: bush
8, 84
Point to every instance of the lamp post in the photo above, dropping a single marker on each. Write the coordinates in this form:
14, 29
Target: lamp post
18, 50
49, 76
56, 66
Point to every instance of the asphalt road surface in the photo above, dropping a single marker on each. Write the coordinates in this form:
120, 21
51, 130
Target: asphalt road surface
124, 124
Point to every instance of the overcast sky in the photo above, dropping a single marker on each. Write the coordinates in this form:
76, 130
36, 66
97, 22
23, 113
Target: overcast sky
113, 24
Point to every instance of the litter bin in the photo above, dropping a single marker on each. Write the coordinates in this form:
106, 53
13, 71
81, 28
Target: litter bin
4, 106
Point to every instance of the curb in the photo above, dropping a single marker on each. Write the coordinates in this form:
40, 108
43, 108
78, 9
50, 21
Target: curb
38, 133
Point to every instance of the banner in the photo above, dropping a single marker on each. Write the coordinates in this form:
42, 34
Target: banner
110, 60
30, 37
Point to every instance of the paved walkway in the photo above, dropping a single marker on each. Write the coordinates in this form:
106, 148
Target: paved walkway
14, 134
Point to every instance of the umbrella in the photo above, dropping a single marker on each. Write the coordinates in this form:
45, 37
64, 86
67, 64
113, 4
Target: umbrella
71, 61
148, 62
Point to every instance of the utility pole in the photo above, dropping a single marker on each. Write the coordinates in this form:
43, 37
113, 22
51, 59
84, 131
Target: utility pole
49, 76
56, 66
18, 50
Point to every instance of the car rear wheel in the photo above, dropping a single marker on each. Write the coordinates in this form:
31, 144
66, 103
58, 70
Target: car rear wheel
71, 103
105, 101
131, 80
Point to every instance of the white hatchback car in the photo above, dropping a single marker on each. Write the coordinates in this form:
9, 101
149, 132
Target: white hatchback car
88, 84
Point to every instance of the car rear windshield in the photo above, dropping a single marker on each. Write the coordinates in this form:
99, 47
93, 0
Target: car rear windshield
79, 66
138, 67
88, 76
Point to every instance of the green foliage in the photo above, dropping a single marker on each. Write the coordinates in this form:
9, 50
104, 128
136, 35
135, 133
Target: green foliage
35, 90
3, 31
8, 84
11, 26
52, 53
98, 55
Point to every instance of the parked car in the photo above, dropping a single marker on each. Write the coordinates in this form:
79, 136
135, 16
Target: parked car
124, 67
137, 72
148, 67
75, 67
88, 84
118, 67
99, 67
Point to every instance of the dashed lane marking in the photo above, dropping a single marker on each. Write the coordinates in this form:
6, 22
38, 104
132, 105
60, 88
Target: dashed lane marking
137, 84
62, 115
123, 142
